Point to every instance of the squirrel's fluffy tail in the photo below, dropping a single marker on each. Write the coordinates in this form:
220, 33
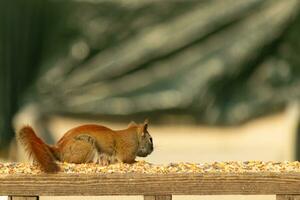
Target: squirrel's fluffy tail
40, 151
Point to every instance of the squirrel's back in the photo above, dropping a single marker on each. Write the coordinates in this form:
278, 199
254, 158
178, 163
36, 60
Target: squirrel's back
89, 129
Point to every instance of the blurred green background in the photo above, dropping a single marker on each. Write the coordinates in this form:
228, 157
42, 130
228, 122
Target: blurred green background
208, 62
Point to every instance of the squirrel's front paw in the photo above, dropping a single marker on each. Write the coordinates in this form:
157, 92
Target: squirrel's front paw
104, 159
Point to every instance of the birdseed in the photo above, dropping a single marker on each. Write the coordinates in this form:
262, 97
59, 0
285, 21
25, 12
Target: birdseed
148, 168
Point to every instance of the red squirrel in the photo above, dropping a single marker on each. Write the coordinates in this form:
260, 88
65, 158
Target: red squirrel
89, 143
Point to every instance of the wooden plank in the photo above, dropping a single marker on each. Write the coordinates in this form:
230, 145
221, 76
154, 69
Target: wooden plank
150, 184
158, 197
287, 197
23, 198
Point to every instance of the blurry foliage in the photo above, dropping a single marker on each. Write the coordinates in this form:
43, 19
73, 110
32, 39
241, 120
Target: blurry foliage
21, 33
218, 62
221, 62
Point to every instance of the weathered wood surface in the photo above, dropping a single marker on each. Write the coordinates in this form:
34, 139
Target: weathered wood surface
287, 197
158, 197
146, 184
23, 198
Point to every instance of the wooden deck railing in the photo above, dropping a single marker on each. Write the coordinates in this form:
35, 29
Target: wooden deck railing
153, 187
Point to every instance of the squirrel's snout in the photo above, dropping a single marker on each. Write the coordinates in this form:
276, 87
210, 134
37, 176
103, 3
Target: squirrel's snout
151, 148
143, 152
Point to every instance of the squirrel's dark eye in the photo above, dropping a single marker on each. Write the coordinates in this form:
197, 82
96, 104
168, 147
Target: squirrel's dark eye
151, 140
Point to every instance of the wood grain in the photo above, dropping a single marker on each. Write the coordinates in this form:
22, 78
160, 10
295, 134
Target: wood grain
158, 197
23, 198
287, 197
147, 184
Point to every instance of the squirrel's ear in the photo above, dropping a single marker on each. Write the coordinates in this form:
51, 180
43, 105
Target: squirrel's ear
145, 125
132, 123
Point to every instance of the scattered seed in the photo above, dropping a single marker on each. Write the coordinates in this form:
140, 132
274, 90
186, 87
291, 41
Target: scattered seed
148, 168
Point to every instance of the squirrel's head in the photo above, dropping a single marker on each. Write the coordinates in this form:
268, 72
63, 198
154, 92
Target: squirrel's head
145, 140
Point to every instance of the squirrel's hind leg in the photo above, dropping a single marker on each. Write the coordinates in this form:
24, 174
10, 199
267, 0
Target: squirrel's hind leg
81, 149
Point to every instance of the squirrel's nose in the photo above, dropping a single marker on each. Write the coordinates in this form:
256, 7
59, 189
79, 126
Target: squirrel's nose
151, 147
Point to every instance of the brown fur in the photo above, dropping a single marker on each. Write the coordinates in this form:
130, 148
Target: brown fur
38, 149
84, 143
